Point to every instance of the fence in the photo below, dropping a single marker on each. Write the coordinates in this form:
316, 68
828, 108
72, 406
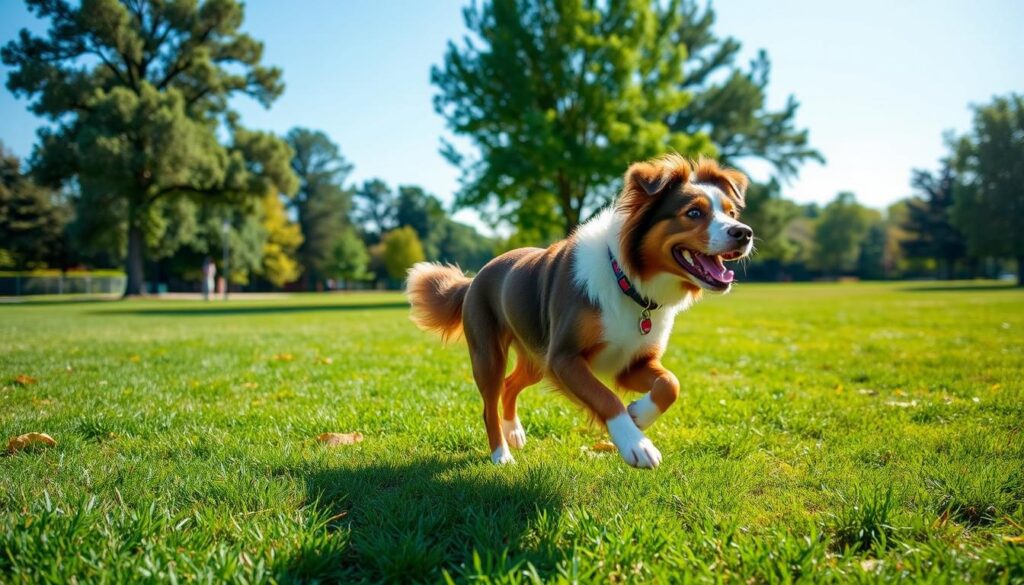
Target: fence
52, 282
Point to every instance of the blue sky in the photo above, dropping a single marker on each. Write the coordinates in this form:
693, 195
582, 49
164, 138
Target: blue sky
878, 81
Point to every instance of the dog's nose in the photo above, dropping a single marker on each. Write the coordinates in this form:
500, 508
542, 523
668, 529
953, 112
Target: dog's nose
741, 233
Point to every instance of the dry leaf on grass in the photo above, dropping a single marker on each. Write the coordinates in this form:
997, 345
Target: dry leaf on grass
283, 357
28, 439
24, 379
901, 403
326, 361
1014, 539
336, 439
603, 446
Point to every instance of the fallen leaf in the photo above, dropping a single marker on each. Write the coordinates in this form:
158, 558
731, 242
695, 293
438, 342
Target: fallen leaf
135, 359
1014, 539
869, 564
336, 439
283, 357
250, 385
603, 446
25, 379
21, 442
900, 404
326, 361
867, 392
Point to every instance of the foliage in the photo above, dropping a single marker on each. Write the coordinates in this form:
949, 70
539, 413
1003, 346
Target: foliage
402, 249
558, 98
187, 455
279, 264
137, 93
321, 203
932, 235
351, 258
989, 206
375, 209
729, 103
768, 213
838, 234
32, 219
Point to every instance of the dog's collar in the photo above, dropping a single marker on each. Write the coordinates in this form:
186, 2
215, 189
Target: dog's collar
627, 287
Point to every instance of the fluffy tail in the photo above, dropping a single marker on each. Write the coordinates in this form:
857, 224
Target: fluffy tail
436, 292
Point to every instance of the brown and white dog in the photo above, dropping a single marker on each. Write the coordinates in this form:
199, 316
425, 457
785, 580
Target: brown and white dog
599, 304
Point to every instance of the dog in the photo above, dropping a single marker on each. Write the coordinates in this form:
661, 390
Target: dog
598, 304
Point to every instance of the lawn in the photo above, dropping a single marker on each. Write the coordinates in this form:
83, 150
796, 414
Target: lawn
825, 432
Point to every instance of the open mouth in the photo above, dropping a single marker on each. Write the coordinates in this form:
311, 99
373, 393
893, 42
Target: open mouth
707, 269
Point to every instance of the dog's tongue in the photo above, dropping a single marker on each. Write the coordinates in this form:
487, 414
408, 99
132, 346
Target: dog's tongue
714, 267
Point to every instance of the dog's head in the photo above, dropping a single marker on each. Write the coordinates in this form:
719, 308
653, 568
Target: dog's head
682, 218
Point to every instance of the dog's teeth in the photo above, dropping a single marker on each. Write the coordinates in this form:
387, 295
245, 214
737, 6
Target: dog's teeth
686, 254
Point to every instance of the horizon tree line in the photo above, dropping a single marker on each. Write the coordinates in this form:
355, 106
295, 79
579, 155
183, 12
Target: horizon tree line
144, 163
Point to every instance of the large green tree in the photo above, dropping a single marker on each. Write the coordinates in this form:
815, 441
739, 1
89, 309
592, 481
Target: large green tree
375, 209
322, 204
558, 97
989, 197
729, 103
929, 220
32, 219
137, 93
839, 233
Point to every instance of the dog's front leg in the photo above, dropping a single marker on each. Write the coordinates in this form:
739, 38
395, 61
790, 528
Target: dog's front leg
574, 375
661, 389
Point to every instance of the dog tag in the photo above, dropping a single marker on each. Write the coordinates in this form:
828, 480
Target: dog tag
645, 322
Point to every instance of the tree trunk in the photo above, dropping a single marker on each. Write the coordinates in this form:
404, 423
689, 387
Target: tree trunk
134, 262
1020, 270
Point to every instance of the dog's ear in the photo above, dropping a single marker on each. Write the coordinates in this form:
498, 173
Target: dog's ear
651, 178
738, 182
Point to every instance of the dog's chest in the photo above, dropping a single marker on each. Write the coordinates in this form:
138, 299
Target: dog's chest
624, 342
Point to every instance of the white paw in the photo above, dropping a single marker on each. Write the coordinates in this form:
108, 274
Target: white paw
514, 433
643, 454
644, 411
636, 449
502, 456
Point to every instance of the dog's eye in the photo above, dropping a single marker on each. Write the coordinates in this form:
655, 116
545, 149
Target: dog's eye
694, 213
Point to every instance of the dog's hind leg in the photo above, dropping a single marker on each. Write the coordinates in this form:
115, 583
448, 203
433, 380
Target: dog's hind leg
488, 350
525, 374
661, 389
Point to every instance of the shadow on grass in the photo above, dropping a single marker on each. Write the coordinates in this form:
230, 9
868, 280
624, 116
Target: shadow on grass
411, 522
960, 287
212, 311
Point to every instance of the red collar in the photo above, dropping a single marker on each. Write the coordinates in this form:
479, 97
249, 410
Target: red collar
627, 287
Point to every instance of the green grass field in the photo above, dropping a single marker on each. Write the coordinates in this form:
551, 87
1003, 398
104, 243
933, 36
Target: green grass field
825, 432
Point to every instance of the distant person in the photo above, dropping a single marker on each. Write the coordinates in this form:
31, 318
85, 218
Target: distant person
209, 277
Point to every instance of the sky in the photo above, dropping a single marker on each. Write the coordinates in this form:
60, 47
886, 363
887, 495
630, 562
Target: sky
878, 81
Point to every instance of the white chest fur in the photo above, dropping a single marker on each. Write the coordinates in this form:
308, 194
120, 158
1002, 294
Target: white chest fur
620, 315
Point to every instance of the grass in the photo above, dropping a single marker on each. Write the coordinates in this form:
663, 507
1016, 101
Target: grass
825, 433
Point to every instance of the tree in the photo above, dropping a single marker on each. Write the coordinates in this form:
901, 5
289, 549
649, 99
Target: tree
462, 245
768, 212
283, 238
32, 219
402, 249
375, 209
559, 97
929, 221
872, 253
989, 201
839, 233
729, 104
321, 204
351, 258
424, 213
137, 92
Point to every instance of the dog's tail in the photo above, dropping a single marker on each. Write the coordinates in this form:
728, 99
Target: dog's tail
436, 292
